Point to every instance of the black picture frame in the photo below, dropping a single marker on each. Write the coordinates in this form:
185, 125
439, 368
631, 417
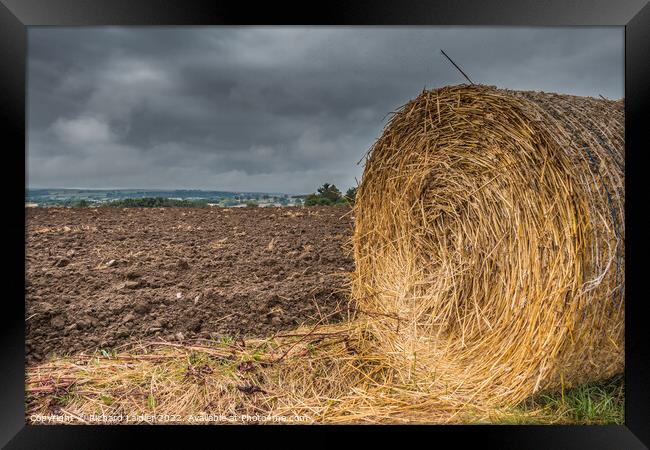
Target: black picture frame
16, 15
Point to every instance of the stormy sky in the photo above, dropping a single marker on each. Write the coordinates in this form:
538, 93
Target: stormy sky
275, 109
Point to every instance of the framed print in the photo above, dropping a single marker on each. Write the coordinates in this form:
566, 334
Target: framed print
414, 214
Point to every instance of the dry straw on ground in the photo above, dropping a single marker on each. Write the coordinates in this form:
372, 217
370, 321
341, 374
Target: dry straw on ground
489, 267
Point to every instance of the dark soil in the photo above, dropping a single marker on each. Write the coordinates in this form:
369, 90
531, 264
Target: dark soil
100, 278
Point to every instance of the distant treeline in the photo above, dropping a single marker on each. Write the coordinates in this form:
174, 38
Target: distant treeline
329, 195
143, 202
326, 195
156, 202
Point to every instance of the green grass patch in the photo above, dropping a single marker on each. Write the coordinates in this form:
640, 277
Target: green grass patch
601, 403
151, 402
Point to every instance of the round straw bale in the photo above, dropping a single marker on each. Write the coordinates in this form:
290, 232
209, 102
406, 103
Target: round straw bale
489, 242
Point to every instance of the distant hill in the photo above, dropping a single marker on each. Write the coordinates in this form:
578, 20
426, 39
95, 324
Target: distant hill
68, 197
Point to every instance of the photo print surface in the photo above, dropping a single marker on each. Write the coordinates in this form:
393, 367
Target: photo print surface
325, 225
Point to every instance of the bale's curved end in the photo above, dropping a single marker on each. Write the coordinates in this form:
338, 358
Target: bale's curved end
489, 242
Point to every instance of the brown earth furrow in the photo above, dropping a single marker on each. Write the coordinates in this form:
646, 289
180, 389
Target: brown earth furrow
103, 277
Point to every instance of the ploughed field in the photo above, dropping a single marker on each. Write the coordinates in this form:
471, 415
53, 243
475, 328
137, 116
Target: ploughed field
102, 278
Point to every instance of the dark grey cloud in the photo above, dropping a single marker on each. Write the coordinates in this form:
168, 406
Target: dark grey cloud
266, 108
